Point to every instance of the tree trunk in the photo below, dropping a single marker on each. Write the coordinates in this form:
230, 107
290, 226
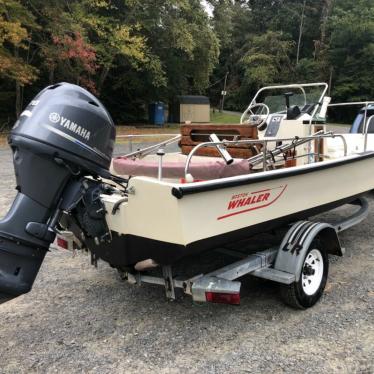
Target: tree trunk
18, 88
51, 76
18, 99
326, 11
300, 33
322, 46
103, 76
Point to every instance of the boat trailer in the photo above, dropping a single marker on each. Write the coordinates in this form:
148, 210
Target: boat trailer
284, 264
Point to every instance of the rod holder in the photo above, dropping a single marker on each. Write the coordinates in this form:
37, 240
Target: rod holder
160, 153
221, 149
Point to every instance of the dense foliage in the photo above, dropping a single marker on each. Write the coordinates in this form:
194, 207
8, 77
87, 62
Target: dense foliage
288, 41
131, 52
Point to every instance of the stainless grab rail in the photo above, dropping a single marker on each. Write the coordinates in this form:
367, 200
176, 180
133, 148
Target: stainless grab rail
366, 120
147, 150
263, 157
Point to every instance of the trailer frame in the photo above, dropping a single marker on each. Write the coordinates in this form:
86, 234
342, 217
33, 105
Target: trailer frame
281, 264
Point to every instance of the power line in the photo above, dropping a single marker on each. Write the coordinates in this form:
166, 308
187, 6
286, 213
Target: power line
220, 80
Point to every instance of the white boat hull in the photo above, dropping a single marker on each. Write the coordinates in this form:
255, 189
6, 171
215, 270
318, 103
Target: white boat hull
165, 221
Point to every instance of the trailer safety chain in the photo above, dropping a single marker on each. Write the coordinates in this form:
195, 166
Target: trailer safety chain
117, 204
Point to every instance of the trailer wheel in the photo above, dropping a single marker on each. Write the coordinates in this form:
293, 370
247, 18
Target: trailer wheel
308, 290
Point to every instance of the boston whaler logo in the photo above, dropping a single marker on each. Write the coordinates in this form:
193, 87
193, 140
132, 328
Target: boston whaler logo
70, 125
247, 201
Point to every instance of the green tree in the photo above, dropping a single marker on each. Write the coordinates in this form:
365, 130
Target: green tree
115, 39
131, 52
268, 59
15, 25
180, 53
351, 51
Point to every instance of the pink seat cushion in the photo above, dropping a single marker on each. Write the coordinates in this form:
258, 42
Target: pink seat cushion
204, 170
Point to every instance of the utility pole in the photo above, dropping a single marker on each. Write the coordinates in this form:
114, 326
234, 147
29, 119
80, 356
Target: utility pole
224, 92
330, 80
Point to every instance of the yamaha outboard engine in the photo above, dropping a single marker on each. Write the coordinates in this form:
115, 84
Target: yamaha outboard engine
65, 133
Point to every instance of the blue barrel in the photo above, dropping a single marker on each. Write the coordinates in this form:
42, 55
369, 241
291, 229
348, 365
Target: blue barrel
156, 113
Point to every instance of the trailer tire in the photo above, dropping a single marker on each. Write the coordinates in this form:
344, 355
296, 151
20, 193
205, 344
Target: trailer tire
309, 288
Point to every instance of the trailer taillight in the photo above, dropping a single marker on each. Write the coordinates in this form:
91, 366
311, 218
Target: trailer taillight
62, 243
223, 298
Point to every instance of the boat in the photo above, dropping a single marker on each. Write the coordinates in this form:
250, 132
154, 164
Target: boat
150, 207
307, 171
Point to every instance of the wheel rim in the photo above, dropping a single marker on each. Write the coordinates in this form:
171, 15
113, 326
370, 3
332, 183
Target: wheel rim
312, 272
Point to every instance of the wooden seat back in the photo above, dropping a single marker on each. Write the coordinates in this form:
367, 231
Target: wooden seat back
195, 134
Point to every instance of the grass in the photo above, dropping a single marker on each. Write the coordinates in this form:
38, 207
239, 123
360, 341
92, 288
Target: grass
215, 118
131, 130
218, 117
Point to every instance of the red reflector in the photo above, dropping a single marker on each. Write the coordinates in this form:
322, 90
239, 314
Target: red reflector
223, 298
183, 180
62, 243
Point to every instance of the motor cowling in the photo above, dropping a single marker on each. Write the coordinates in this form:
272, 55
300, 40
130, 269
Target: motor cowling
62, 135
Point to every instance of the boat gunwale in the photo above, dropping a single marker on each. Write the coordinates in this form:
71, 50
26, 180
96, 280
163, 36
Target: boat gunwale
206, 186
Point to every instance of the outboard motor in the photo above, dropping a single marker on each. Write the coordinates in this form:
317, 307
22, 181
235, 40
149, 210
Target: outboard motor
64, 134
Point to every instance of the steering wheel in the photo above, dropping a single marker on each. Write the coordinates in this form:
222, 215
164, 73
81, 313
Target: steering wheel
255, 120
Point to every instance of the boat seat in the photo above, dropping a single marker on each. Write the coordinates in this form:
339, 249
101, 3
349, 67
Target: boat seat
293, 112
173, 164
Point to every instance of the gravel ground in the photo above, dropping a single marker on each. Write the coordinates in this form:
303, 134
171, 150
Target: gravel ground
81, 319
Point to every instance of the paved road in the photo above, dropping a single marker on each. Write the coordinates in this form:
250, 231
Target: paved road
79, 319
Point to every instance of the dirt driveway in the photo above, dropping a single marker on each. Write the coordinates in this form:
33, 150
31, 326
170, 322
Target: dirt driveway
79, 319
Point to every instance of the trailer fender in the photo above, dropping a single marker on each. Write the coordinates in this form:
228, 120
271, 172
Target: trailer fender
291, 253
